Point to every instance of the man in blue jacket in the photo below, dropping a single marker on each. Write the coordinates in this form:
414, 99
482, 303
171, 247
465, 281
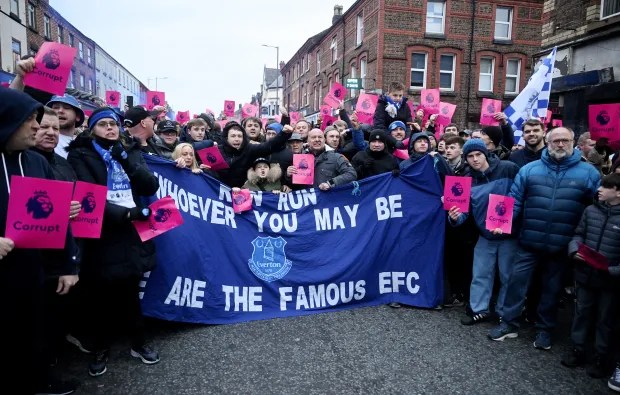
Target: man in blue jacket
550, 196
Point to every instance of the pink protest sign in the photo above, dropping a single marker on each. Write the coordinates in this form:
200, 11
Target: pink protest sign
412, 108
365, 108
165, 216
499, 213
88, 113
456, 192
326, 110
53, 64
488, 109
38, 212
446, 112
555, 123
242, 201
304, 163
429, 101
154, 98
213, 158
335, 95
264, 121
229, 108
548, 116
295, 117
401, 154
182, 117
248, 110
278, 118
92, 197
604, 122
593, 257
113, 98
327, 120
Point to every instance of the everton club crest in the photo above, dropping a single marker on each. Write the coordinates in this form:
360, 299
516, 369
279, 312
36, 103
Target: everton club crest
268, 260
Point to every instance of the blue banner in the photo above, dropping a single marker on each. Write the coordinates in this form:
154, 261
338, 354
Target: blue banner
362, 244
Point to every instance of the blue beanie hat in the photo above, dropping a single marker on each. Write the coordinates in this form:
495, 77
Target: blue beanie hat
275, 127
397, 124
101, 113
475, 145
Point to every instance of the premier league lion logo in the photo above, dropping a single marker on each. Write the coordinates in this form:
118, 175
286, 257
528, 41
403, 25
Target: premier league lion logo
365, 105
430, 98
156, 100
491, 109
457, 189
500, 209
303, 164
40, 205
113, 97
337, 93
162, 215
51, 60
211, 158
89, 203
239, 199
229, 106
603, 118
444, 110
268, 261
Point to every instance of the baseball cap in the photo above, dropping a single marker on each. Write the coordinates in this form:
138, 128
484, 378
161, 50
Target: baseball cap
166, 126
465, 131
295, 136
135, 114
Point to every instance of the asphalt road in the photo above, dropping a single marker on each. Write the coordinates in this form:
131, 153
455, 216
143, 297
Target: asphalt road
363, 351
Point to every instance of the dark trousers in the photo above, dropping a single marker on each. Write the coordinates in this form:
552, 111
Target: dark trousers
599, 306
458, 261
113, 306
58, 313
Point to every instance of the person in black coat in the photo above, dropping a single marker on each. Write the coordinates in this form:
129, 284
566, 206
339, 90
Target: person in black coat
240, 154
113, 265
375, 159
392, 107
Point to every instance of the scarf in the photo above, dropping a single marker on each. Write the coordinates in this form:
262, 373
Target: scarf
119, 186
392, 106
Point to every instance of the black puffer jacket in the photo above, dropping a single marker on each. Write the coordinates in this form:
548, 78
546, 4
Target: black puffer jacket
241, 159
119, 253
382, 119
599, 229
369, 163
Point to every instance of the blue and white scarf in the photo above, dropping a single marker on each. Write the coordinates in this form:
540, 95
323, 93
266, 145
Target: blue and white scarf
392, 106
119, 186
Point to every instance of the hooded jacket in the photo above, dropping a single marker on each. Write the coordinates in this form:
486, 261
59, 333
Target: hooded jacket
439, 163
599, 229
381, 118
550, 197
368, 163
241, 159
269, 184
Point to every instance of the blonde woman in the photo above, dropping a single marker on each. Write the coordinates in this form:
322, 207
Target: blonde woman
183, 154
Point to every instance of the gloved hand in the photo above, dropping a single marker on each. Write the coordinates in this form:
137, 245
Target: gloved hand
139, 214
118, 152
399, 145
396, 172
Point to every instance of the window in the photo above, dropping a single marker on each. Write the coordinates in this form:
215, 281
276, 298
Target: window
337, 76
71, 40
61, 34
359, 31
90, 86
71, 84
363, 71
318, 62
610, 8
418, 70
15, 7
306, 93
81, 50
486, 74
32, 18
513, 68
503, 23
353, 75
308, 62
288, 77
446, 72
320, 94
88, 56
316, 97
47, 27
17, 52
82, 81
435, 17
303, 65
334, 50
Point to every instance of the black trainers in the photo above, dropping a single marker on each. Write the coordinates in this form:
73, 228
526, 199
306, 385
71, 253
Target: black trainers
146, 354
56, 388
573, 359
79, 344
98, 365
599, 368
614, 380
475, 318
454, 301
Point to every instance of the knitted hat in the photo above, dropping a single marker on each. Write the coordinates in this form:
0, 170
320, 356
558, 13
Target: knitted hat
494, 133
275, 126
397, 124
475, 145
377, 135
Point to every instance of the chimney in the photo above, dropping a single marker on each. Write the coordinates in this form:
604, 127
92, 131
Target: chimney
282, 64
337, 14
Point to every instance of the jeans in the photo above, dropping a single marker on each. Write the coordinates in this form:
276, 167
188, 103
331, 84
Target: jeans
488, 254
552, 268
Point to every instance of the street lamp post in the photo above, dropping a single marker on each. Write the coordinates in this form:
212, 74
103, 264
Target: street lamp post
278, 76
148, 81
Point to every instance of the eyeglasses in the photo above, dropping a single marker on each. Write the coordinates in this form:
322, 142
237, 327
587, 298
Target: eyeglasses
107, 124
561, 141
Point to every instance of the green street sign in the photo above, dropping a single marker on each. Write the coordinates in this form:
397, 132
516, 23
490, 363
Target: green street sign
353, 83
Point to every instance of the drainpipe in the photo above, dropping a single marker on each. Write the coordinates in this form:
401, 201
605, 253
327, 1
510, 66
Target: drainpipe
471, 50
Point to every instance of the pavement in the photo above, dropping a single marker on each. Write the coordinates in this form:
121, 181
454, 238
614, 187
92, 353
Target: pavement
360, 351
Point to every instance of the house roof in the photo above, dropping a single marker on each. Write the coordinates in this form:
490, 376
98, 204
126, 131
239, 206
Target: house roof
273, 84
270, 76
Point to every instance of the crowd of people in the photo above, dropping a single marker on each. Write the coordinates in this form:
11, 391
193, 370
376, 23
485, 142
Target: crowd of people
567, 198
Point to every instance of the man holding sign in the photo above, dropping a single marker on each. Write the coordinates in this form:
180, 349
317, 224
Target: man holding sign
489, 176
22, 270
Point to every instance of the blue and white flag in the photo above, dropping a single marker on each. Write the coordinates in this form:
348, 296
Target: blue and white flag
533, 100
305, 252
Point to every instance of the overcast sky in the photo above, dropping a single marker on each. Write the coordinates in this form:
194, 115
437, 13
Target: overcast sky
209, 50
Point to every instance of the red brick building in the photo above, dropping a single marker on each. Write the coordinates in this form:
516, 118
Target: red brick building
46, 24
469, 49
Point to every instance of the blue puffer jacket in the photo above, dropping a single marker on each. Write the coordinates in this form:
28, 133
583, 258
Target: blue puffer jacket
497, 179
550, 197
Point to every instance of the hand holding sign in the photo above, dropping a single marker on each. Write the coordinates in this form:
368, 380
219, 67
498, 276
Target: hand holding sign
242, 200
53, 64
164, 216
499, 214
